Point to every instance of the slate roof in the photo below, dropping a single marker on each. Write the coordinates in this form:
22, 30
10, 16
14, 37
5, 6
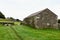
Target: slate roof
40, 12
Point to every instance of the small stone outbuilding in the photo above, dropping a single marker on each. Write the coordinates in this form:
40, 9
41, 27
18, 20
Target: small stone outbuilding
42, 19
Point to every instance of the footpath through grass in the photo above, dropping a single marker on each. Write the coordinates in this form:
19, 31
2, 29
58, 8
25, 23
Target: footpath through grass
28, 33
6, 33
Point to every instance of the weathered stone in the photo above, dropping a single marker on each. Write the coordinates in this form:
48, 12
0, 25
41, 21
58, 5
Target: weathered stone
42, 19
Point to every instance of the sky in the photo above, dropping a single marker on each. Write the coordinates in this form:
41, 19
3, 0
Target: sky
19, 9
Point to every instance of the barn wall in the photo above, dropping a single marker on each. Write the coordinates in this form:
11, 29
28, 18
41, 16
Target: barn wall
29, 21
46, 20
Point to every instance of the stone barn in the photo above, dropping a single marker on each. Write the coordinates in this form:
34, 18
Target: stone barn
42, 19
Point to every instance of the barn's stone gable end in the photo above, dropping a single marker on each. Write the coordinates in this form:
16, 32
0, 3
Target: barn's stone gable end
42, 19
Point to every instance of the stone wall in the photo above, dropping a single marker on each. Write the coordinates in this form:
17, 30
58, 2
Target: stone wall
59, 25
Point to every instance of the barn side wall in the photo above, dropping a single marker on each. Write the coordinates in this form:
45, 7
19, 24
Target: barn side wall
46, 20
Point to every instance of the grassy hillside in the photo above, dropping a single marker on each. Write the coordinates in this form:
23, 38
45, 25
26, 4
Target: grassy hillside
28, 33
20, 32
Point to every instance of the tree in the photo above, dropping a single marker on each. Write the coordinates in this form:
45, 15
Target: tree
11, 18
17, 20
1, 15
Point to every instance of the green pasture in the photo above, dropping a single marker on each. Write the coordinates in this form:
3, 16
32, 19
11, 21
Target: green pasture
27, 33
6, 33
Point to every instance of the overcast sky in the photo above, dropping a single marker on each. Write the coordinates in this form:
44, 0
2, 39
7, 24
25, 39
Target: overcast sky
22, 8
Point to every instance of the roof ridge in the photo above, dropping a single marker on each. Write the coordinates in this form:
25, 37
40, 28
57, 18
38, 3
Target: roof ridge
38, 12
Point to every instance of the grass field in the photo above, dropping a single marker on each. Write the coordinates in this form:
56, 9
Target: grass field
6, 33
20, 32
